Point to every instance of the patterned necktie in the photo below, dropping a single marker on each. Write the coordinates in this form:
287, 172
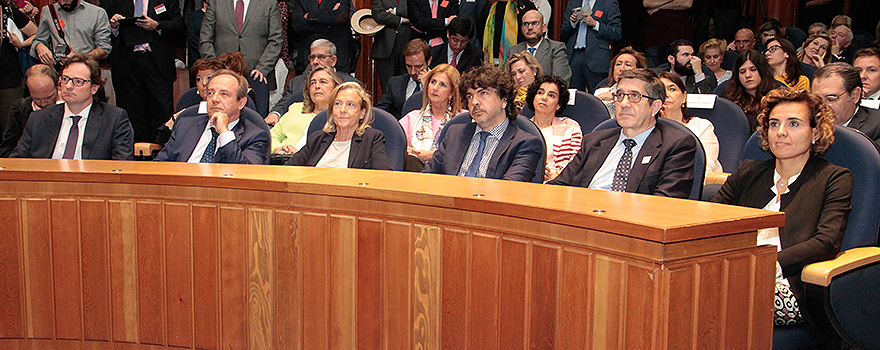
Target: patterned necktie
474, 168
453, 63
72, 139
532, 50
239, 14
622, 172
208, 156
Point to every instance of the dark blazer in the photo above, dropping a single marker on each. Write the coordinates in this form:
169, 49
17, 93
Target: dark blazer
705, 86
394, 95
251, 144
108, 133
471, 57
516, 158
322, 21
598, 47
867, 120
420, 16
670, 171
161, 45
384, 40
551, 55
367, 150
816, 210
18, 117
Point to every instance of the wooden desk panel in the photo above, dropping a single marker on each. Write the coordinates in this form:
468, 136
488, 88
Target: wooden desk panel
179, 255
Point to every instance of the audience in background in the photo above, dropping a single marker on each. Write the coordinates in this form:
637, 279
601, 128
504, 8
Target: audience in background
548, 96
841, 44
523, 68
42, 85
388, 43
440, 102
675, 108
628, 58
417, 58
840, 85
815, 51
458, 52
752, 79
743, 41
682, 60
713, 53
588, 34
290, 133
867, 62
786, 67
549, 53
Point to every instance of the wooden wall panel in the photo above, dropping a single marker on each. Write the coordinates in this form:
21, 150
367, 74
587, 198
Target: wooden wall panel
708, 305
544, 296
67, 269
575, 314
608, 314
737, 269
260, 282
764, 265
206, 276
38, 269
370, 301
343, 273
151, 279
12, 320
484, 298
95, 270
123, 271
233, 278
515, 282
397, 270
288, 283
642, 294
680, 329
178, 272
455, 289
316, 274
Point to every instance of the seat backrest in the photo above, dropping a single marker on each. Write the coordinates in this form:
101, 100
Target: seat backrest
855, 151
395, 137
699, 157
295, 97
588, 111
521, 122
261, 91
414, 102
731, 128
191, 98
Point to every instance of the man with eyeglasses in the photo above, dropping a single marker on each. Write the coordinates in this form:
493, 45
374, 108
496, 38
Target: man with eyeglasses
42, 84
322, 53
841, 87
417, 59
223, 135
82, 127
639, 156
550, 53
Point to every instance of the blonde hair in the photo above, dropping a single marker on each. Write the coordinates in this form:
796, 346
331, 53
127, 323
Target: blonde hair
719, 44
366, 104
454, 78
530, 61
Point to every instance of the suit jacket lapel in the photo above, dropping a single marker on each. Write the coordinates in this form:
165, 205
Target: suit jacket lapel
858, 119
354, 154
93, 128
251, 8
598, 153
651, 149
542, 51
503, 144
192, 136
459, 147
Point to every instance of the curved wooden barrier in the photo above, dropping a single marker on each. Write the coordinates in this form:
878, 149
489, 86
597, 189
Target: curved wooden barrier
140, 255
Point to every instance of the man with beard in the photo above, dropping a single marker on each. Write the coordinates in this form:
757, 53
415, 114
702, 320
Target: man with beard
683, 61
85, 26
550, 53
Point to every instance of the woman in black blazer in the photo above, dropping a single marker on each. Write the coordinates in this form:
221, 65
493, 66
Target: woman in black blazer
347, 140
797, 127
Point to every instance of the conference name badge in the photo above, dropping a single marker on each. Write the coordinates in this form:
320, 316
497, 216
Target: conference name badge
599, 13
160, 9
444, 3
646, 160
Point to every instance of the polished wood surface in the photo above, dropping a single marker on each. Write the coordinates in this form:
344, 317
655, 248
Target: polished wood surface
140, 255
821, 273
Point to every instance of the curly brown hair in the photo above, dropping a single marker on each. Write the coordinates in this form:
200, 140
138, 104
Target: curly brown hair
488, 76
821, 116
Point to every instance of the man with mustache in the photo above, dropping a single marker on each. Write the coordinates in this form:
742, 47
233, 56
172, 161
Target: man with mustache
86, 30
689, 66
492, 146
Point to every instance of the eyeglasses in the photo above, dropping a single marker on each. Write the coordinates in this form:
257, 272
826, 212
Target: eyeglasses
319, 56
634, 97
772, 49
531, 24
78, 82
831, 98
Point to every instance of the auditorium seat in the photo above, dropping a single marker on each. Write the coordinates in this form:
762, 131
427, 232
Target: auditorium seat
395, 138
191, 98
587, 110
846, 308
731, 128
699, 158
261, 91
414, 102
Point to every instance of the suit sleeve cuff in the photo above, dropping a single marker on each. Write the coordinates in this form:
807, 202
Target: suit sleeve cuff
596, 28
225, 138
699, 77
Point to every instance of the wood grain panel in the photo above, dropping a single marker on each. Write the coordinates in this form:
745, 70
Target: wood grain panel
682, 296
343, 273
288, 283
763, 271
370, 297
642, 300
38, 269
206, 276
427, 284
260, 257
123, 271
95, 271
577, 299
738, 293
12, 319
66, 268
484, 298
708, 305
233, 278
316, 275
151, 279
515, 282
544, 296
178, 272
397, 260
608, 293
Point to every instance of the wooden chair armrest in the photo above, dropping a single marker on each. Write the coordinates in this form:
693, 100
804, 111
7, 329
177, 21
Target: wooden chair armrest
821, 273
146, 149
716, 178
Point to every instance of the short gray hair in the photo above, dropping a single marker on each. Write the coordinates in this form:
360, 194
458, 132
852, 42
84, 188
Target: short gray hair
331, 47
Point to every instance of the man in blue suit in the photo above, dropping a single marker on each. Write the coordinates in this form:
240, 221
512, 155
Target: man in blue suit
221, 136
588, 34
492, 146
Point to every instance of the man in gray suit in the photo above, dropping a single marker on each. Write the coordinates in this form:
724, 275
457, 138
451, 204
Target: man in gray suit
254, 30
550, 53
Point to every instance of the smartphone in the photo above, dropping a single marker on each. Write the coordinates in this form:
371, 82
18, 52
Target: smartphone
581, 12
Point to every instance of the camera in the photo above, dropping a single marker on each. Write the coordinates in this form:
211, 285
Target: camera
61, 50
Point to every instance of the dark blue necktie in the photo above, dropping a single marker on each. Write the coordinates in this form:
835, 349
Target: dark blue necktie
474, 168
532, 50
208, 156
623, 167
72, 139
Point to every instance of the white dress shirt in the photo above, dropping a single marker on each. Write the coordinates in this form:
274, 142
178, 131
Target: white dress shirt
66, 123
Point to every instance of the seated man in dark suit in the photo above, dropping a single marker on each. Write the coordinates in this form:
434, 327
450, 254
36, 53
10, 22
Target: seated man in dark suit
220, 136
82, 127
458, 48
491, 147
841, 87
42, 84
417, 59
640, 156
